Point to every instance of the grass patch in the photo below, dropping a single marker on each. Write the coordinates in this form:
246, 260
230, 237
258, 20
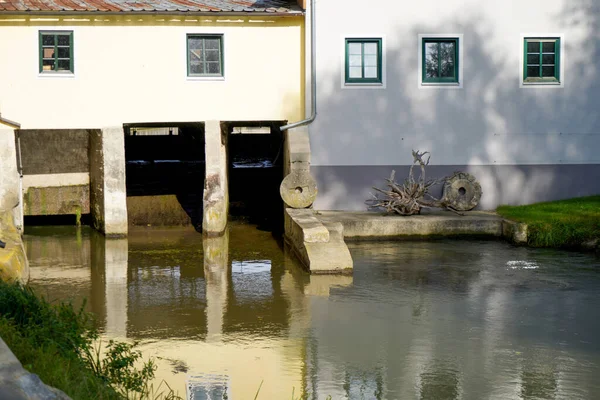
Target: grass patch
56, 342
564, 223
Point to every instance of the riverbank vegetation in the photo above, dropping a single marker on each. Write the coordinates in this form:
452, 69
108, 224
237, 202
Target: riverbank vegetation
564, 223
60, 345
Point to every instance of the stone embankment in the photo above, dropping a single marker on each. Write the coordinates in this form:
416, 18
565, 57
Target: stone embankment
16, 383
13, 261
380, 226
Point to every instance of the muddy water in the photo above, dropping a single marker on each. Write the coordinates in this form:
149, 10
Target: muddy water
417, 320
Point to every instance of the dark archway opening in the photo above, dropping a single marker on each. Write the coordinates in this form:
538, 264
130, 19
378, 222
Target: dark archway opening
255, 171
165, 170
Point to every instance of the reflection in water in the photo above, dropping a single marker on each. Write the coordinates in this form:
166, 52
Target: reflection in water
419, 320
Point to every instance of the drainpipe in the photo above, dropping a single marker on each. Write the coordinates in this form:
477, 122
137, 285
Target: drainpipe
21, 226
313, 73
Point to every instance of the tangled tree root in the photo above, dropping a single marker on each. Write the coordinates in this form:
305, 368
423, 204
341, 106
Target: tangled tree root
413, 195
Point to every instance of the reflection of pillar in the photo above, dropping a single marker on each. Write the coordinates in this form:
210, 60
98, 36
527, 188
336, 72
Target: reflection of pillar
305, 292
216, 271
109, 261
116, 287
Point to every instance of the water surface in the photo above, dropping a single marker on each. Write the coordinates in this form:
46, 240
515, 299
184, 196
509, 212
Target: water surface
417, 320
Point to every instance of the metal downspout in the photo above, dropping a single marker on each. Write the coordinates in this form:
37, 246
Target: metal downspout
21, 226
313, 73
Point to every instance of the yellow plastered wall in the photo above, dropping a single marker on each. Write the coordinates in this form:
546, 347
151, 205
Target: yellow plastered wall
134, 69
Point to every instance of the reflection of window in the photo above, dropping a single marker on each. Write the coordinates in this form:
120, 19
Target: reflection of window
208, 387
541, 60
363, 61
440, 60
205, 55
56, 51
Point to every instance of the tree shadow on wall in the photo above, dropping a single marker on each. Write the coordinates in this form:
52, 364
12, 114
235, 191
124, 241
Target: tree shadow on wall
491, 122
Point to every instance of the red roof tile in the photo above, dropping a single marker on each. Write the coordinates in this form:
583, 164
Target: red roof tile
133, 6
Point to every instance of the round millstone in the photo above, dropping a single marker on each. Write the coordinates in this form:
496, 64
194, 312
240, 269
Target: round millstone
298, 189
462, 191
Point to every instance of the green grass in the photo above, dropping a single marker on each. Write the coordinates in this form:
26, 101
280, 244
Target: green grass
57, 343
564, 223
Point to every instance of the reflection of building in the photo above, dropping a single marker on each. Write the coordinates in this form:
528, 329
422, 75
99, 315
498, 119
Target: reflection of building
221, 314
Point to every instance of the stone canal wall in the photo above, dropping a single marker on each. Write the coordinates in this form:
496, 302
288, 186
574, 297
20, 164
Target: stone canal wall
13, 263
56, 167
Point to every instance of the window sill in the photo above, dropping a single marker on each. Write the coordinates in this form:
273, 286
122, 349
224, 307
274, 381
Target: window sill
363, 85
541, 83
441, 85
205, 78
56, 75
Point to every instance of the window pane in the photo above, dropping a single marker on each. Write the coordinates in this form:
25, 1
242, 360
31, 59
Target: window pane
355, 72
195, 43
548, 71
533, 71
64, 40
370, 72
48, 52
354, 48
447, 59
370, 61
214, 68
355, 61
371, 48
548, 59
212, 55
213, 43
533, 58
64, 65
48, 65
48, 40
548, 47
64, 52
533, 47
431, 60
197, 68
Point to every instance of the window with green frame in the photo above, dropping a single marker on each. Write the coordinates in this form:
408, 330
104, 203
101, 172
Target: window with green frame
56, 52
363, 61
205, 55
440, 60
541, 60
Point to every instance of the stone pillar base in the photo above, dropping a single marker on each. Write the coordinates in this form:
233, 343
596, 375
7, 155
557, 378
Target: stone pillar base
107, 181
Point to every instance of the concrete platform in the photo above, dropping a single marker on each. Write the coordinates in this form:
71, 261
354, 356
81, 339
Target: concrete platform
374, 225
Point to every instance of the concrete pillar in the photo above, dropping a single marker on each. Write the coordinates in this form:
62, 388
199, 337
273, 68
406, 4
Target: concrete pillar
10, 197
298, 189
216, 275
216, 194
107, 181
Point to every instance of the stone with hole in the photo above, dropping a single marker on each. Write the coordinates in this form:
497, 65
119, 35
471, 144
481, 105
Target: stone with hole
462, 191
298, 189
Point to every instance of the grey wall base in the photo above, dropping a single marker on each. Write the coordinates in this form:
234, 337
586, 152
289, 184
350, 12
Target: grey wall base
347, 187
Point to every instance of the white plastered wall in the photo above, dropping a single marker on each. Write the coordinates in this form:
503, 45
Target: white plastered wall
491, 119
133, 69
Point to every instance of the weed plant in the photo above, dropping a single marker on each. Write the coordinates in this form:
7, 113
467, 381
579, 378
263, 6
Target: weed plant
60, 345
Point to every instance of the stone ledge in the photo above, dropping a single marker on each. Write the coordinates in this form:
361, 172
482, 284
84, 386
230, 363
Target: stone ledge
320, 247
515, 232
373, 225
